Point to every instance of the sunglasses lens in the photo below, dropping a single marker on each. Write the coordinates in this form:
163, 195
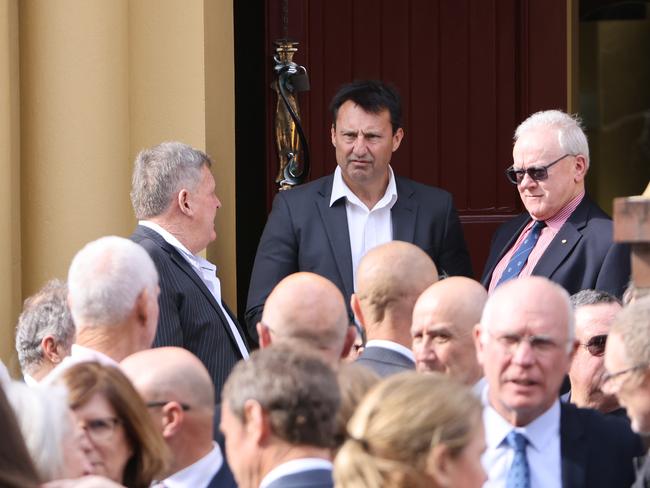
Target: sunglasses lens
537, 174
596, 345
514, 176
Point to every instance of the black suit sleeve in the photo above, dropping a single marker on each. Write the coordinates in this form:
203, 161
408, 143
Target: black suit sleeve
276, 258
615, 272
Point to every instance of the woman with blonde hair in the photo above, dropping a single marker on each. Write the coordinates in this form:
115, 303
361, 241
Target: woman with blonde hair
131, 451
414, 430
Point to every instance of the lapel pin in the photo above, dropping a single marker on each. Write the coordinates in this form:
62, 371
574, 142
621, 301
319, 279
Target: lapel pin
563, 241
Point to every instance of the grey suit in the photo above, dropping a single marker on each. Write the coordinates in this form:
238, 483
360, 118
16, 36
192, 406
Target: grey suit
385, 362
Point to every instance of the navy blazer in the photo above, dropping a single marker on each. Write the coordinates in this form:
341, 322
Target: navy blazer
581, 256
313, 478
303, 233
385, 362
223, 478
597, 450
189, 314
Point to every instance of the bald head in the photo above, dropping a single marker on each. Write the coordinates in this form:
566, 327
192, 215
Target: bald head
390, 278
307, 310
170, 373
443, 319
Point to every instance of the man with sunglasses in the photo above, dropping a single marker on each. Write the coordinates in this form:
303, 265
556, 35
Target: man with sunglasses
627, 365
563, 235
594, 313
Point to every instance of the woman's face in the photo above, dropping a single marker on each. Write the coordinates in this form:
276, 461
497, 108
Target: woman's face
79, 454
107, 436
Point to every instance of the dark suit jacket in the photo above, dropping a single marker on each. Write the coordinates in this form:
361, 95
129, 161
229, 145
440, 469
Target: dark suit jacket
223, 478
385, 362
303, 233
597, 450
189, 314
581, 256
315, 478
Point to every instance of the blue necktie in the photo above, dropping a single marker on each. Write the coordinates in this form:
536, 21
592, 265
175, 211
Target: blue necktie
519, 473
519, 258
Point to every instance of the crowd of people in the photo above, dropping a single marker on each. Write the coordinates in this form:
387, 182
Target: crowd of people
369, 356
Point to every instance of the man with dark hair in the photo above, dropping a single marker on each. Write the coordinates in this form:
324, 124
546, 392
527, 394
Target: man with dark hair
173, 196
594, 313
45, 331
328, 225
279, 419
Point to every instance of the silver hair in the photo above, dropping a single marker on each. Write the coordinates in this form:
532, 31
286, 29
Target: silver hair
570, 132
632, 325
44, 313
44, 419
500, 297
592, 297
162, 171
105, 279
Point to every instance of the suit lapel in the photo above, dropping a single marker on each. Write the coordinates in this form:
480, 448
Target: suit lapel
404, 213
518, 223
572, 450
335, 221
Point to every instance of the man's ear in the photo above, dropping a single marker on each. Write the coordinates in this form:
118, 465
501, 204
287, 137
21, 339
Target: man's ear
580, 166
183, 202
397, 138
172, 419
256, 422
355, 303
51, 350
264, 334
478, 343
333, 133
350, 337
439, 464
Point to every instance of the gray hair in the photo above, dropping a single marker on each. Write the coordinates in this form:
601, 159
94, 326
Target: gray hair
45, 420
632, 325
44, 313
162, 171
571, 135
105, 279
592, 297
298, 390
501, 295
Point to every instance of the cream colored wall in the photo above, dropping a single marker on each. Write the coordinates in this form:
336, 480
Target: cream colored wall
98, 81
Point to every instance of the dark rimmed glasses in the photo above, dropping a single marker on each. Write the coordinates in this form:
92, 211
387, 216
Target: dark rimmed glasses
536, 173
596, 345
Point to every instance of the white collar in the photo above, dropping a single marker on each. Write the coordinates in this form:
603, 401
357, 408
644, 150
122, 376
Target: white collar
393, 346
340, 189
194, 259
294, 466
199, 473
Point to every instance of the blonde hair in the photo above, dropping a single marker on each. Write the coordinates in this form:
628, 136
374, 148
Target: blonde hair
398, 423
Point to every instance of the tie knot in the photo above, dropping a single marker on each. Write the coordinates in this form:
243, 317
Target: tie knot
538, 226
517, 441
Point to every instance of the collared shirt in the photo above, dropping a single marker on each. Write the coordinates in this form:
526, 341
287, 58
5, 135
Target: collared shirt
293, 467
553, 226
393, 346
29, 380
78, 354
208, 274
479, 386
367, 227
542, 451
199, 474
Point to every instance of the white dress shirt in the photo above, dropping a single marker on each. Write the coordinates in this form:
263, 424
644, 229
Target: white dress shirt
367, 227
208, 274
199, 474
542, 451
393, 346
295, 466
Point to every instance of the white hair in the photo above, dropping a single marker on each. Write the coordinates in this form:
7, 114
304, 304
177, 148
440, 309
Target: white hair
502, 297
44, 419
105, 279
570, 133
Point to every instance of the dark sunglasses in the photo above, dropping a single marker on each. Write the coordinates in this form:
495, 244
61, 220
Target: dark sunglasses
596, 345
537, 173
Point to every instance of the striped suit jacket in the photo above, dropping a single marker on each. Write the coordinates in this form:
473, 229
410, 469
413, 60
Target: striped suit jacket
189, 314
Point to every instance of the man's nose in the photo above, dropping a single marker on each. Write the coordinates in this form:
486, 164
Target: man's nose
360, 145
523, 354
527, 182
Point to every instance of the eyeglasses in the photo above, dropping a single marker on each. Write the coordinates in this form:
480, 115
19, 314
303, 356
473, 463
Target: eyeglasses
100, 429
537, 173
596, 345
162, 403
540, 345
609, 381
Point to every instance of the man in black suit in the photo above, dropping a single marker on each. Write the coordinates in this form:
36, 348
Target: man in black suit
390, 279
525, 343
174, 200
179, 394
571, 237
279, 419
627, 365
328, 225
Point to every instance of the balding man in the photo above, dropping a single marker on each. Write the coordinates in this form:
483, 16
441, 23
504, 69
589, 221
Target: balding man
443, 320
390, 278
113, 296
525, 342
306, 310
179, 393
